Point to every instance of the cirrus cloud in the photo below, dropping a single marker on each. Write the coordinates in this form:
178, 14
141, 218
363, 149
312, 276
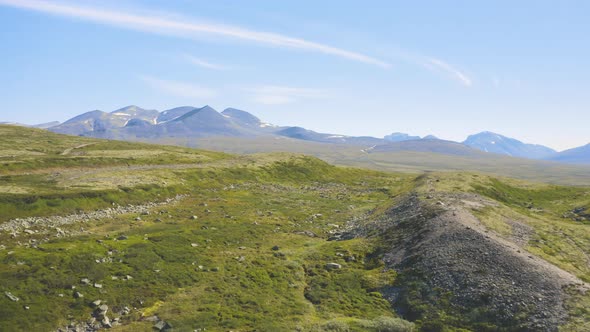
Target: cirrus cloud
185, 28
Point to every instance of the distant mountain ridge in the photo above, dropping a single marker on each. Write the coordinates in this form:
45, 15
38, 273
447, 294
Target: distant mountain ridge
182, 124
491, 142
400, 137
580, 155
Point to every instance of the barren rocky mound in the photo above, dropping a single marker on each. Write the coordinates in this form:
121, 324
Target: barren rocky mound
449, 263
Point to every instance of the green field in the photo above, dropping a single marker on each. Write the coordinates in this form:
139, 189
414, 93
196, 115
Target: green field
244, 242
405, 161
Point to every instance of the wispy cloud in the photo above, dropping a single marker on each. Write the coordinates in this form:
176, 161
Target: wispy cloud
180, 89
203, 63
278, 95
189, 29
454, 73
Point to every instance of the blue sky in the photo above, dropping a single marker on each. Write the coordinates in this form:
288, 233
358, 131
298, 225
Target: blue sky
448, 68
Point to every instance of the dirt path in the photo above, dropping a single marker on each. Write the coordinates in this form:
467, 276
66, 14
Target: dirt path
69, 150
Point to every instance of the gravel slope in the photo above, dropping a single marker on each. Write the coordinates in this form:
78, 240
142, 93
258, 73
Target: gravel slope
446, 258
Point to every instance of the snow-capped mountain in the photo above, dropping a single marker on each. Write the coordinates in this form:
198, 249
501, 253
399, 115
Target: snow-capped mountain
496, 143
186, 123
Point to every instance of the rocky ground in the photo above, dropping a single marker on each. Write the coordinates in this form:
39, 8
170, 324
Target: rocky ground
445, 257
50, 226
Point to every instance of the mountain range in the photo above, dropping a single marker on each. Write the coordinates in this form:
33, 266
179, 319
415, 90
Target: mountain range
187, 123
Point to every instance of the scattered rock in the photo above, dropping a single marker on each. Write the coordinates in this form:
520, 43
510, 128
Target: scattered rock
194, 217
333, 266
106, 322
122, 237
52, 223
152, 319
85, 281
96, 303
306, 233
78, 295
11, 297
97, 285
162, 326
579, 210
101, 311
276, 248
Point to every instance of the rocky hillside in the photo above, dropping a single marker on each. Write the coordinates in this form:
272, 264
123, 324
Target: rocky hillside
448, 262
453, 267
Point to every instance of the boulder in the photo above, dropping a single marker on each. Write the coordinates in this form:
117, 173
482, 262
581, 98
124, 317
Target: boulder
333, 266
162, 326
106, 322
103, 309
11, 297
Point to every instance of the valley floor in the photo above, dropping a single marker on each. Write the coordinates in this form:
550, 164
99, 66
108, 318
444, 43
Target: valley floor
133, 237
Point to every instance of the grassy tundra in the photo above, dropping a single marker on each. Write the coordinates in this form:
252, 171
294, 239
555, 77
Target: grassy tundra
208, 240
